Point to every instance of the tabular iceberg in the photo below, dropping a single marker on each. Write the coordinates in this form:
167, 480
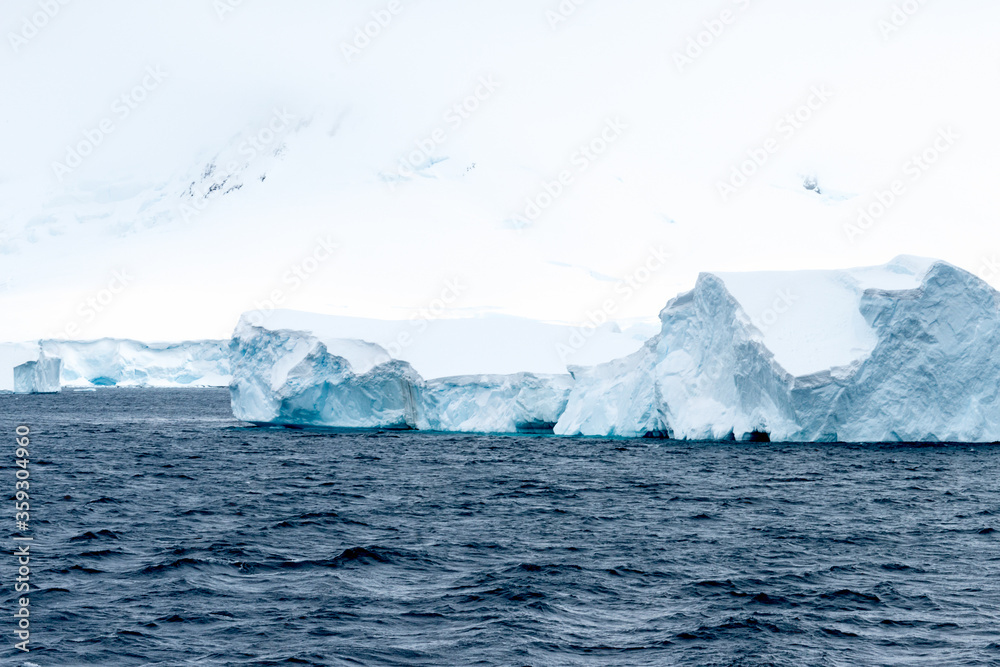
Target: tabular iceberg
114, 363
297, 369
903, 352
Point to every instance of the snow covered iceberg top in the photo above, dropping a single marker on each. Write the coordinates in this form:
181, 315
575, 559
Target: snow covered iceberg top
491, 345
812, 321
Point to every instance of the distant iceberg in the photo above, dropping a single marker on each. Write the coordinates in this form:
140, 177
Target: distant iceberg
51, 364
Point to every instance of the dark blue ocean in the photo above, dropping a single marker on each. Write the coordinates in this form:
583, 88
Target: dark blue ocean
168, 534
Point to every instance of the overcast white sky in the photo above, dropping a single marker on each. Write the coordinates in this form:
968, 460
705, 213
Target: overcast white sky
306, 142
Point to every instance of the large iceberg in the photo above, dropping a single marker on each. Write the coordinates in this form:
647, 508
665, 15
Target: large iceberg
294, 378
492, 375
902, 352
113, 362
907, 351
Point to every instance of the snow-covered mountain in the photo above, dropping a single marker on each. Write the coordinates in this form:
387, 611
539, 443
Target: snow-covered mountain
542, 161
901, 352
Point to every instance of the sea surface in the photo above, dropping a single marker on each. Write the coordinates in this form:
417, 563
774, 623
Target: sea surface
168, 534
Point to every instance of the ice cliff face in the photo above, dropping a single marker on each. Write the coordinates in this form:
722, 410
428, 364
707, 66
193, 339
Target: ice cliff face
934, 374
518, 403
703, 376
113, 362
903, 352
38, 377
291, 377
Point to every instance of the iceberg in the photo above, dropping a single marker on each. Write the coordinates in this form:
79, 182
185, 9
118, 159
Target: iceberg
906, 351
487, 375
294, 378
901, 352
130, 363
12, 356
112, 362
38, 377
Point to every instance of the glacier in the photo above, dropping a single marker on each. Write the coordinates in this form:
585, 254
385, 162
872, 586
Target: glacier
906, 351
40, 366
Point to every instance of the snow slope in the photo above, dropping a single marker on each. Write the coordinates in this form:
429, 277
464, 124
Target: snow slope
901, 352
811, 320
